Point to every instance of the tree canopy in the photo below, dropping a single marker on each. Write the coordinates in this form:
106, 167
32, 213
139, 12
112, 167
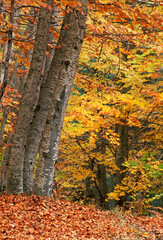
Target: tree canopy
111, 144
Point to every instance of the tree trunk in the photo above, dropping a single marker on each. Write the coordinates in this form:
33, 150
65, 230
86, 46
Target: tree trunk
48, 153
121, 155
102, 184
16, 161
2, 161
71, 43
8, 53
16, 80
43, 104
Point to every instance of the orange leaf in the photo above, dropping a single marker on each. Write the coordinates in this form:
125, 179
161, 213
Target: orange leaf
73, 4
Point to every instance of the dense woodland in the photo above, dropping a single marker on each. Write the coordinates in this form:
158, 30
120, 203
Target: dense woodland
81, 102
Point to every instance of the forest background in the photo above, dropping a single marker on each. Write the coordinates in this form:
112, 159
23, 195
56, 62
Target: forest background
111, 144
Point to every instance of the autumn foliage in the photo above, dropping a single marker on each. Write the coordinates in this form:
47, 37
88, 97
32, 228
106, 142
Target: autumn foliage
115, 109
111, 144
110, 153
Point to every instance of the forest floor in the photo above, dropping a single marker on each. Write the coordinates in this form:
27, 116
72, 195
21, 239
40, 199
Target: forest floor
34, 218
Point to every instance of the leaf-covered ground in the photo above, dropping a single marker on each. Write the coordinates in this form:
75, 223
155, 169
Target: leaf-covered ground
32, 217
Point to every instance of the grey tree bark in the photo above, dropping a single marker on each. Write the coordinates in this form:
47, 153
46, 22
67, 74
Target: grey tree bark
72, 34
15, 80
39, 118
2, 160
16, 161
7, 54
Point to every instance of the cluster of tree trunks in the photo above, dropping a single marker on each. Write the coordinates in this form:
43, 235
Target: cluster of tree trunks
43, 104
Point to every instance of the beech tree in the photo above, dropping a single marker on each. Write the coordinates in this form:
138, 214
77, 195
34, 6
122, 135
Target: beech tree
71, 39
58, 83
16, 161
32, 114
